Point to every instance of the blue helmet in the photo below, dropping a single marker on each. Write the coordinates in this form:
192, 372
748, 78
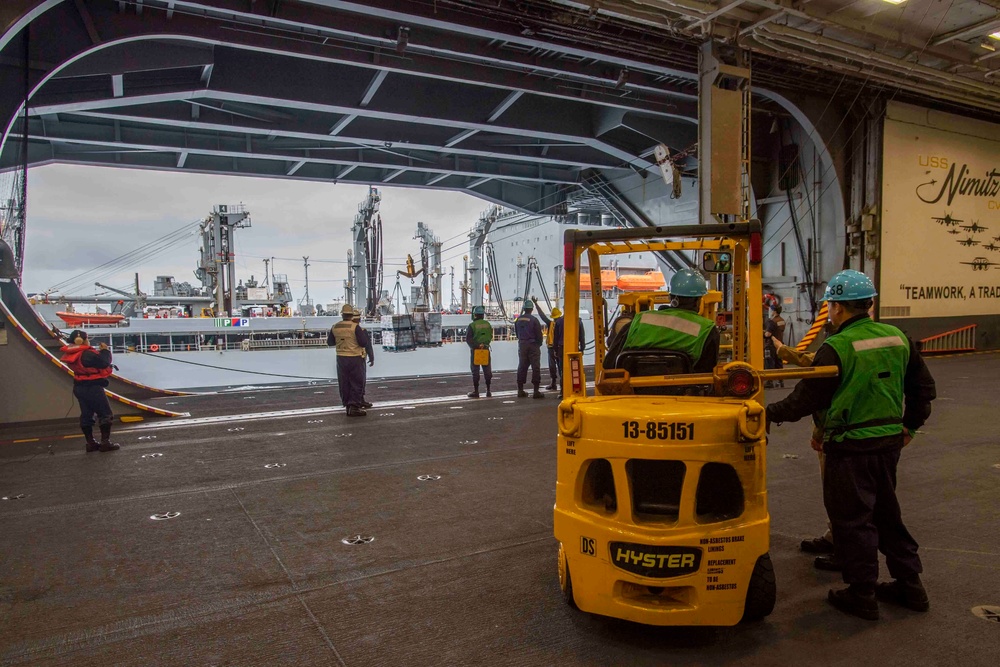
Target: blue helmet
478, 310
688, 282
849, 285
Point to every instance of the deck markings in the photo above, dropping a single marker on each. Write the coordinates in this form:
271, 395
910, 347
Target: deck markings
302, 412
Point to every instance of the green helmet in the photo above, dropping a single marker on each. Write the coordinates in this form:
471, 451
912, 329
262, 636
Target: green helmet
849, 285
688, 282
478, 310
527, 305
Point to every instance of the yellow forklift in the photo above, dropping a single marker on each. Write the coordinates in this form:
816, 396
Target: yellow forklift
661, 497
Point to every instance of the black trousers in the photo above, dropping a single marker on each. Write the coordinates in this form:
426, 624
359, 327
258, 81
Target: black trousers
93, 401
487, 370
529, 355
859, 492
351, 378
555, 361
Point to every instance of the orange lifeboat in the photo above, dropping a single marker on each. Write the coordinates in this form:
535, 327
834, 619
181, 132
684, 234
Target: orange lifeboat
647, 282
78, 319
608, 280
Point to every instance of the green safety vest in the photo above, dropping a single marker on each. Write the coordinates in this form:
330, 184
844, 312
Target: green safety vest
673, 329
482, 332
869, 401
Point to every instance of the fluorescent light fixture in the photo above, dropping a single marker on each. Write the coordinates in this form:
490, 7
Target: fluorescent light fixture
995, 35
987, 44
895, 2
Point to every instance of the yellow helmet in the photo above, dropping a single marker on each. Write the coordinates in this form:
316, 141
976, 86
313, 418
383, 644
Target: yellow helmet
556, 312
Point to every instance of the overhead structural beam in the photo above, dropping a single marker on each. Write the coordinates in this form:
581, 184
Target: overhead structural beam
88, 21
342, 124
192, 97
393, 175
117, 85
373, 87
980, 29
460, 137
437, 179
295, 167
332, 143
717, 13
506, 104
476, 183
182, 159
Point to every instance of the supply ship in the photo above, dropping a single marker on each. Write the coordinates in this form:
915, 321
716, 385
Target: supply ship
224, 336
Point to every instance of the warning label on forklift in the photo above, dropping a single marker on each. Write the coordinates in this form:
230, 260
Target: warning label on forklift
729, 539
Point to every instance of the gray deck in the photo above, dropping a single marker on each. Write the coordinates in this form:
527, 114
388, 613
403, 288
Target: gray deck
462, 570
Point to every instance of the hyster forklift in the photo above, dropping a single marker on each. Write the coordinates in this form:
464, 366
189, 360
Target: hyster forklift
661, 497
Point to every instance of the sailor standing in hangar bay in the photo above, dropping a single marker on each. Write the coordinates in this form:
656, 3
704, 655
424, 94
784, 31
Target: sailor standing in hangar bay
353, 344
529, 346
478, 337
867, 414
91, 369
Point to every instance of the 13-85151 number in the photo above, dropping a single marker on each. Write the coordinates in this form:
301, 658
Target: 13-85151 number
659, 430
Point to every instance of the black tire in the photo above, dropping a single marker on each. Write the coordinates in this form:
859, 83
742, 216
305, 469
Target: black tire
565, 581
761, 592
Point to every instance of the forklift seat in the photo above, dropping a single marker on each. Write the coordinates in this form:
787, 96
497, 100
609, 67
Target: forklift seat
646, 362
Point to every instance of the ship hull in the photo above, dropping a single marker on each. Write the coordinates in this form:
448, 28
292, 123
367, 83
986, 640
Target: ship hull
209, 369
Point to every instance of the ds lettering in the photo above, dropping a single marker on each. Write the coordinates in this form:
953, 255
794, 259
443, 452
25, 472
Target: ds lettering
587, 546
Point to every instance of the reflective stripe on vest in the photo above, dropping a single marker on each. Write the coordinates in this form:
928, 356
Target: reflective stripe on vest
869, 402
674, 329
347, 341
482, 332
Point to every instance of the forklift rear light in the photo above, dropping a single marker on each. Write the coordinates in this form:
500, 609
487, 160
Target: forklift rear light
576, 374
740, 383
756, 248
569, 257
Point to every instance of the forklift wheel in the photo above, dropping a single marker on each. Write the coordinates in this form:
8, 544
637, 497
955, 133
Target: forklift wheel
565, 583
762, 590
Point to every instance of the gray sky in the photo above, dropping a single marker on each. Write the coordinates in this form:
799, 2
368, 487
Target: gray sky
81, 217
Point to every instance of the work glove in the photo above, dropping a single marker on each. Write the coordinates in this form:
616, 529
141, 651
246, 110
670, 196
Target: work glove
371, 362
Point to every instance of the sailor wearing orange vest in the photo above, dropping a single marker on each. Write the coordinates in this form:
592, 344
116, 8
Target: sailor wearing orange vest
91, 369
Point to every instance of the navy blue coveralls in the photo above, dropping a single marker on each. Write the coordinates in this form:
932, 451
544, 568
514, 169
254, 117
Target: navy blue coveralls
529, 345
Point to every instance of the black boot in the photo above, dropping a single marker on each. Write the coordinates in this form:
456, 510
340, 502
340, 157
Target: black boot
474, 393
489, 394
88, 433
908, 593
521, 393
356, 411
828, 562
551, 385
856, 600
537, 393
106, 445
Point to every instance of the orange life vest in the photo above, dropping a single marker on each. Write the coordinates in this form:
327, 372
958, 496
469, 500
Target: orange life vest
73, 357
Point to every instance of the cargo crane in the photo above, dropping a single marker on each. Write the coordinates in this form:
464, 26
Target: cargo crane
493, 291
430, 268
365, 262
534, 273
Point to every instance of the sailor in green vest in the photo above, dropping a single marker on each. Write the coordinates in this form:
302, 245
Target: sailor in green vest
478, 336
679, 328
867, 414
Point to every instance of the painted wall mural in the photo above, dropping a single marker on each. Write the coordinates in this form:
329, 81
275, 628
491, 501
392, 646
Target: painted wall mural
940, 251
